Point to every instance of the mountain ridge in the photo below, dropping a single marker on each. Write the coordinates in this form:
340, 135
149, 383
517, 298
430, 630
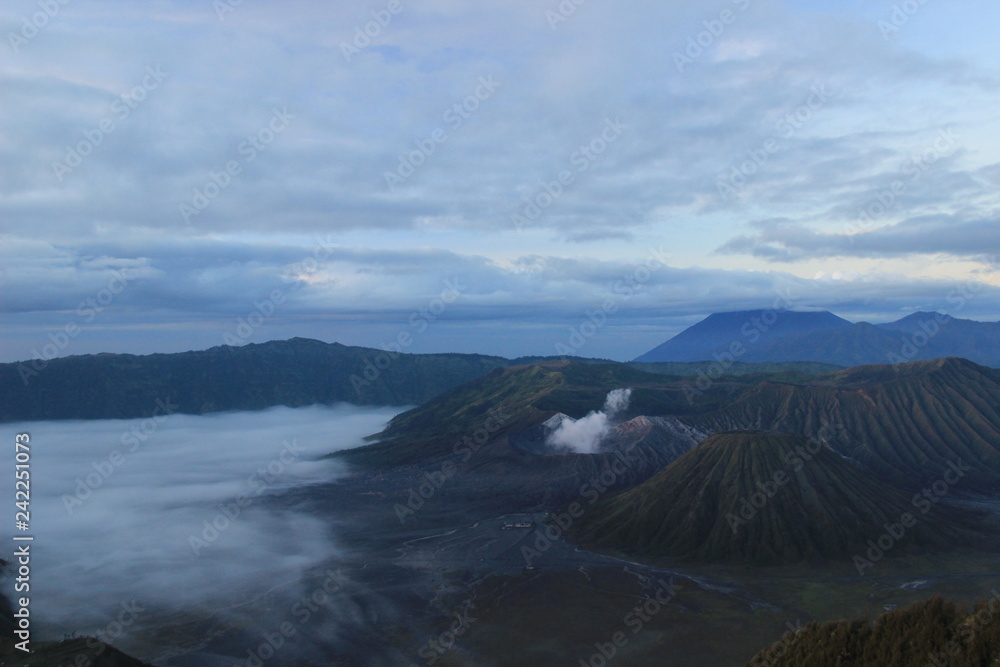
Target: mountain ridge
814, 337
761, 498
904, 422
718, 332
294, 372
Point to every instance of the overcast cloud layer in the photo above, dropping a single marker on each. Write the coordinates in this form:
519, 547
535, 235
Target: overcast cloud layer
167, 168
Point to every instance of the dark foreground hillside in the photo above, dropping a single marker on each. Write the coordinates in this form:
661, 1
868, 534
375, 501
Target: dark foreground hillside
75, 652
933, 632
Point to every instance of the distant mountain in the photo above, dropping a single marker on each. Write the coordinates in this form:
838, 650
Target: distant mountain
717, 333
827, 339
790, 369
294, 372
976, 341
931, 632
904, 422
760, 498
855, 345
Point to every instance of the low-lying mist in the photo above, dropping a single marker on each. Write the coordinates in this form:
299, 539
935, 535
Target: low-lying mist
178, 512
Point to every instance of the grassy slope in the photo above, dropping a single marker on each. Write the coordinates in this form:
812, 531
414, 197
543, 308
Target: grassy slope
824, 509
296, 372
904, 422
952, 635
523, 396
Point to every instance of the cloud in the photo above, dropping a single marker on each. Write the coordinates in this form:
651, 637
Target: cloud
146, 511
351, 125
183, 295
959, 235
353, 121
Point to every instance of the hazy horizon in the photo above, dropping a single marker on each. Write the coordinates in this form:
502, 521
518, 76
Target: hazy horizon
617, 353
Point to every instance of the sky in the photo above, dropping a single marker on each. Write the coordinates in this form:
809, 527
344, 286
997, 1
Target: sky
488, 177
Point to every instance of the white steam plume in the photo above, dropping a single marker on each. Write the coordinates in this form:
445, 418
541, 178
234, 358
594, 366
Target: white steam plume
584, 436
617, 401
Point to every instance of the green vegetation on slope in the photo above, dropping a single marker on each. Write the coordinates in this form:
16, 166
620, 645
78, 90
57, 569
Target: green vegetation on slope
762, 498
295, 373
905, 422
511, 399
932, 632
785, 370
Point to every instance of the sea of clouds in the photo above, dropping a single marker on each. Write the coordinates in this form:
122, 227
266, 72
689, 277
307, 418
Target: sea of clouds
118, 518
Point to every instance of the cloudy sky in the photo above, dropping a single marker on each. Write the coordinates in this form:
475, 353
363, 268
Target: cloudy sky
503, 170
